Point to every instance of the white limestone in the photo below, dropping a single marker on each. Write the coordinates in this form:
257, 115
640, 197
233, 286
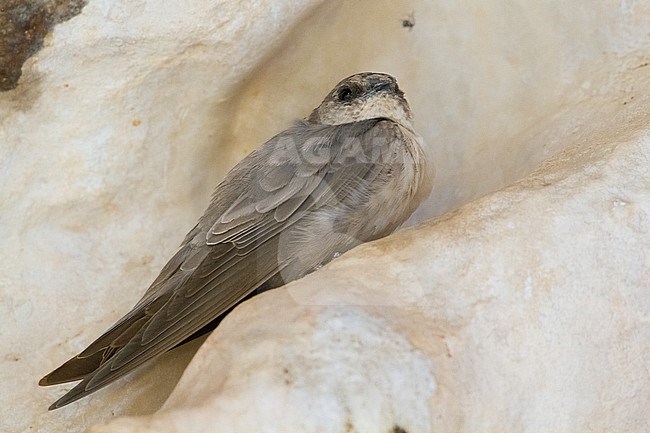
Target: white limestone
110, 148
522, 311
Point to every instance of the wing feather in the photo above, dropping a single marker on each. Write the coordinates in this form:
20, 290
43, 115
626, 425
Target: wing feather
234, 248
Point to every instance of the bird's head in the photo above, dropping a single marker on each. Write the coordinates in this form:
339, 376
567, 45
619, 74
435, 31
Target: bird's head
363, 96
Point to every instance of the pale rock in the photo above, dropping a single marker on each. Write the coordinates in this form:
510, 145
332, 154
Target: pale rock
523, 311
110, 148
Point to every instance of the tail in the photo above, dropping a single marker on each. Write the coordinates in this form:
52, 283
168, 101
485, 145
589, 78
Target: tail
87, 362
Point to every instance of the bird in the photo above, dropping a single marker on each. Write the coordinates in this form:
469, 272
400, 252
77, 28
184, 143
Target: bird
353, 171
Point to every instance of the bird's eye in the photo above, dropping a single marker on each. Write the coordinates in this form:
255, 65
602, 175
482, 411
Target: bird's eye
345, 94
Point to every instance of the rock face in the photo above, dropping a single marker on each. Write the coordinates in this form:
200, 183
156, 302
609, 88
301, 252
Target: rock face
524, 310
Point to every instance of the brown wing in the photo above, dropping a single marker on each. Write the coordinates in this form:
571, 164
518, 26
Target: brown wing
233, 249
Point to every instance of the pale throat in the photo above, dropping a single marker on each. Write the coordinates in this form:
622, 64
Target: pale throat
381, 106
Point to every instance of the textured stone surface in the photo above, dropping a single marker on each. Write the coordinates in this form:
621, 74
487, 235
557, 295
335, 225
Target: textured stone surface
123, 122
111, 145
523, 311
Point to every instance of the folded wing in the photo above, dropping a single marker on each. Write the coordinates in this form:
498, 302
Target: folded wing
233, 250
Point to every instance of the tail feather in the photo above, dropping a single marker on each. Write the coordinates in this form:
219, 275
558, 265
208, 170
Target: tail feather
74, 369
74, 394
